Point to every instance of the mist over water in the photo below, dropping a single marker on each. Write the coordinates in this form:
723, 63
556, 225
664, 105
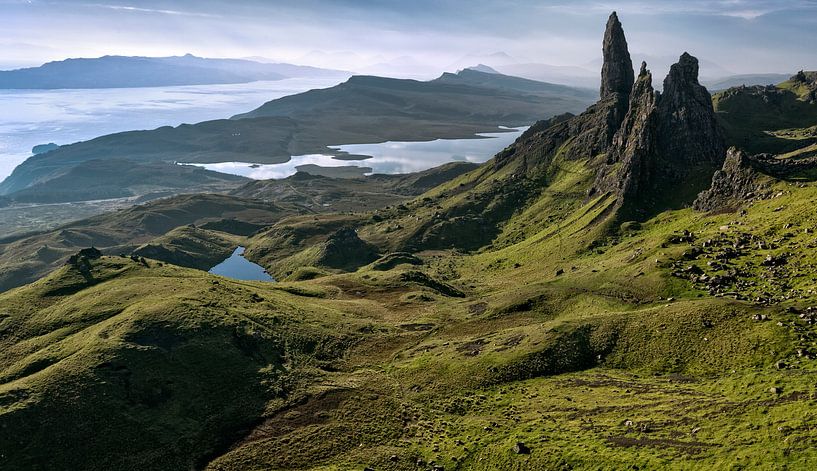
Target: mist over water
32, 117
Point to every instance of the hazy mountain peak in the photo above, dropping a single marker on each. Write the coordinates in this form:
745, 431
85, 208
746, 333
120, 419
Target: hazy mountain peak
483, 68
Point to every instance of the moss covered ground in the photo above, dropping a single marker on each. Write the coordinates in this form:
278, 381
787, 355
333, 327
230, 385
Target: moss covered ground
590, 342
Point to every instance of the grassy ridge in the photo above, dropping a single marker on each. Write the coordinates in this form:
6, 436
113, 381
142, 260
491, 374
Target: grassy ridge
573, 338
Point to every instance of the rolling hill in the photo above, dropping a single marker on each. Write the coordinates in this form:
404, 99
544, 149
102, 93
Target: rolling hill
361, 110
573, 303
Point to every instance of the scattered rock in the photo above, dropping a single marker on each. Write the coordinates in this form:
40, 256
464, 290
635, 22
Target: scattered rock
521, 449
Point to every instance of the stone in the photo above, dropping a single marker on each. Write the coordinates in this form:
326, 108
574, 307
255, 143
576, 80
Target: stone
521, 449
774, 260
688, 132
663, 140
617, 69
736, 178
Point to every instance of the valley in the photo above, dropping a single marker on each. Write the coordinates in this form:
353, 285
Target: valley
627, 285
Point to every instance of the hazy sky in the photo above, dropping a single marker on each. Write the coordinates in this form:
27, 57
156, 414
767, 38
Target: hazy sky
740, 35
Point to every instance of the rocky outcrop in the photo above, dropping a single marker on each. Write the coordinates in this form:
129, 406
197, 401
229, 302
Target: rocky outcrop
591, 132
806, 82
667, 147
689, 133
617, 69
736, 183
630, 161
616, 76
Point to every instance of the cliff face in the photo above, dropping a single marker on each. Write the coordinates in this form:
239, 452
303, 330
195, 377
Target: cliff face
592, 131
616, 74
735, 183
617, 70
667, 147
630, 160
689, 133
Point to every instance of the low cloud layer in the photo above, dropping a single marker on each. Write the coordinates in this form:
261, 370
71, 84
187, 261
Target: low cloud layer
413, 38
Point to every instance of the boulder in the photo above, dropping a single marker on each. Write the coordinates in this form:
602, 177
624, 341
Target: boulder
733, 185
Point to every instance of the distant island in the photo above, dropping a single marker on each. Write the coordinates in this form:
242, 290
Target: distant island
134, 72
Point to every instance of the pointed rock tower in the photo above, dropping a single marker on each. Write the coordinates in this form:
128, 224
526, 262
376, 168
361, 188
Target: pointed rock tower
592, 132
616, 74
617, 69
630, 160
668, 146
689, 133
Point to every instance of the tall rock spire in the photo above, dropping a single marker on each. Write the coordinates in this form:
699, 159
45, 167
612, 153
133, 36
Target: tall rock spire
617, 72
667, 146
689, 132
631, 157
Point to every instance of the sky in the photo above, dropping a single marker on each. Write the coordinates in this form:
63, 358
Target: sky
406, 36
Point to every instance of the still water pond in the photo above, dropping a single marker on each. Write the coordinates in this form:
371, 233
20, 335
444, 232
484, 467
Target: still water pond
239, 268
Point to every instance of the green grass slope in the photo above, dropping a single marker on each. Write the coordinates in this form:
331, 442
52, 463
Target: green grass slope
596, 347
26, 257
772, 119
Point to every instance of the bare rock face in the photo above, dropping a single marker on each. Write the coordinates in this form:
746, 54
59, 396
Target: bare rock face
616, 77
631, 158
617, 71
592, 131
735, 183
667, 147
689, 133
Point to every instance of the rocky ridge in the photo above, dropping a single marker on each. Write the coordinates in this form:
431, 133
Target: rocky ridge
665, 142
735, 183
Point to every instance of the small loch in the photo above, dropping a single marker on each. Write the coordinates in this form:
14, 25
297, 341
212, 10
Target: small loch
239, 268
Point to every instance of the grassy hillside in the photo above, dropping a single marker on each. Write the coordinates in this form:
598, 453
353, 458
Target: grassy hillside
509, 317
584, 346
223, 220
773, 119
327, 194
105, 179
26, 257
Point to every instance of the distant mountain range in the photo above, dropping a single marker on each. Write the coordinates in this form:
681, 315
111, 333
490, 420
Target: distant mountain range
713, 76
132, 72
468, 96
364, 109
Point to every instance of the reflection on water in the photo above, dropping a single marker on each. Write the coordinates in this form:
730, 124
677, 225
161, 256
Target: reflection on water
239, 268
387, 157
32, 117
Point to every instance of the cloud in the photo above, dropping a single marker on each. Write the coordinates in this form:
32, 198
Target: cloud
741, 35
127, 8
